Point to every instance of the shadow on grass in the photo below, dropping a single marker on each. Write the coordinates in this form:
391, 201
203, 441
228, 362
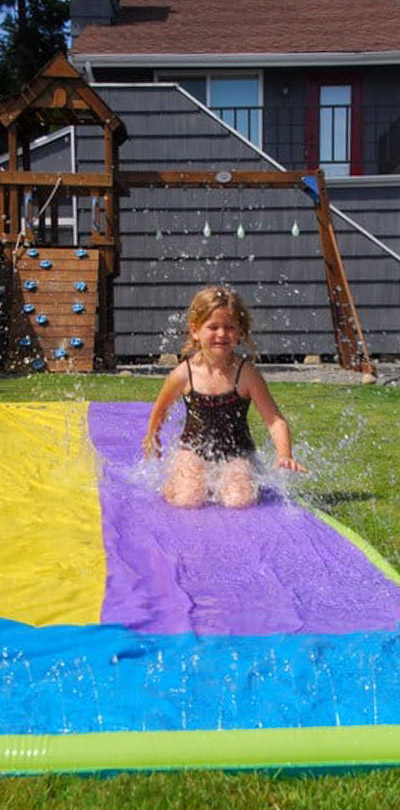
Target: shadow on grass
325, 499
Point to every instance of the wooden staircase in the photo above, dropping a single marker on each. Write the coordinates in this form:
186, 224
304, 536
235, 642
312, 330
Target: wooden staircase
53, 315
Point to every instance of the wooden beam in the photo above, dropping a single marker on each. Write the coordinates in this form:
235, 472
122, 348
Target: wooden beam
222, 179
78, 182
99, 107
349, 337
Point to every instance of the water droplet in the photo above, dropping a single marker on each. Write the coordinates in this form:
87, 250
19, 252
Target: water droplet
159, 234
295, 229
207, 230
240, 233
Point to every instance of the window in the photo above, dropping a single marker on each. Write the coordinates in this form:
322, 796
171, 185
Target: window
335, 130
235, 98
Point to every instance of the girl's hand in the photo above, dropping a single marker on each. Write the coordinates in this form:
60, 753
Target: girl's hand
289, 463
152, 446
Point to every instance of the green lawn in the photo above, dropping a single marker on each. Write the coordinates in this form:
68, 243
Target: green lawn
349, 439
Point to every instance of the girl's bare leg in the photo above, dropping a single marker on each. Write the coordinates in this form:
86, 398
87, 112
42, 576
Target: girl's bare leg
186, 484
237, 487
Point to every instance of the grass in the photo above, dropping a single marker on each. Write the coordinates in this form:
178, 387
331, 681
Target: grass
203, 791
349, 439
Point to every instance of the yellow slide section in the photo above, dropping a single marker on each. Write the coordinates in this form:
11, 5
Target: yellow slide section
52, 563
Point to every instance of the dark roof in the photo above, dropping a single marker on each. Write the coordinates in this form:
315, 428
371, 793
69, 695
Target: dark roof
246, 26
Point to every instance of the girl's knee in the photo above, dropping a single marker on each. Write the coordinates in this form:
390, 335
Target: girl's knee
238, 499
185, 500
186, 486
238, 488
179, 495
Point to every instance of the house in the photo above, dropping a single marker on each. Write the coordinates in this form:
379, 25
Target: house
310, 82
259, 84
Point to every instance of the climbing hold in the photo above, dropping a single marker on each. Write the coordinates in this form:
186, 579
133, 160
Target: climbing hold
37, 364
77, 308
60, 353
32, 253
30, 285
81, 253
27, 308
42, 319
26, 341
80, 286
46, 264
76, 342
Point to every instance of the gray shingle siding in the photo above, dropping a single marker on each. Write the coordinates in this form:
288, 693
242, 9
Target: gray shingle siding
281, 277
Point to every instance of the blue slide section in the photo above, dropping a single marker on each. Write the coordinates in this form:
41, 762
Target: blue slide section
69, 679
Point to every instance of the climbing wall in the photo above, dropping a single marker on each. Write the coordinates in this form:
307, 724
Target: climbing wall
53, 310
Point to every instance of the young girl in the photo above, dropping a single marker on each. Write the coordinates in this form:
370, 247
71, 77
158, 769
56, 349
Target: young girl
217, 387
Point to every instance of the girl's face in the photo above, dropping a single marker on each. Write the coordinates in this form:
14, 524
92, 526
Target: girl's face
219, 334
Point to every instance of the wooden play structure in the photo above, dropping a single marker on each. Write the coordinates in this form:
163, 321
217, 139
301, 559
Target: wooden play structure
60, 299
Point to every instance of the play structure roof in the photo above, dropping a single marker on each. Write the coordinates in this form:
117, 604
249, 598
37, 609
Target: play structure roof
58, 96
248, 27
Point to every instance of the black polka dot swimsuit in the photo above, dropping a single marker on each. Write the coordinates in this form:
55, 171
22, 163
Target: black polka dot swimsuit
216, 424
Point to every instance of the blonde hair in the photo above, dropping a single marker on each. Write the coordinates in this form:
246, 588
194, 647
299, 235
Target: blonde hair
203, 305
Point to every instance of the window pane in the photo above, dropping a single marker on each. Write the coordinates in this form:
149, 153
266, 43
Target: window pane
228, 95
335, 129
235, 92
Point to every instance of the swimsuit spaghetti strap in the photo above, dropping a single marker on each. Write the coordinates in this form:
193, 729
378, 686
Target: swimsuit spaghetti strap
190, 373
241, 364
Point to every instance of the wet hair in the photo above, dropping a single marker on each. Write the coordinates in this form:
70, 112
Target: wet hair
204, 303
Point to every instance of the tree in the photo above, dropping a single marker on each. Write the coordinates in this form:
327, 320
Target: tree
32, 32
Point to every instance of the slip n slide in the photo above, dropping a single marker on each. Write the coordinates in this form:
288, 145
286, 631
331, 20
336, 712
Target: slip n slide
136, 635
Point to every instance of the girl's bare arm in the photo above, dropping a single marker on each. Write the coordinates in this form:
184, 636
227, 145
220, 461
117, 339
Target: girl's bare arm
173, 387
272, 418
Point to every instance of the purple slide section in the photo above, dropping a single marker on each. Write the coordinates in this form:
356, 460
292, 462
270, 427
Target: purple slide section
272, 568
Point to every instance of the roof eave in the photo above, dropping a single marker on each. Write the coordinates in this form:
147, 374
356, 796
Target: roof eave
255, 60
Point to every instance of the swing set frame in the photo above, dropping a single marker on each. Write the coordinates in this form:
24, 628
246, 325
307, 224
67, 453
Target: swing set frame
348, 333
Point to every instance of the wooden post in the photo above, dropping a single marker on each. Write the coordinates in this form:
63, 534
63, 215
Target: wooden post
95, 198
42, 218
54, 221
349, 337
13, 165
109, 169
3, 213
28, 213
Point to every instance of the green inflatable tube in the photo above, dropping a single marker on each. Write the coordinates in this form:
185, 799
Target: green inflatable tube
273, 749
